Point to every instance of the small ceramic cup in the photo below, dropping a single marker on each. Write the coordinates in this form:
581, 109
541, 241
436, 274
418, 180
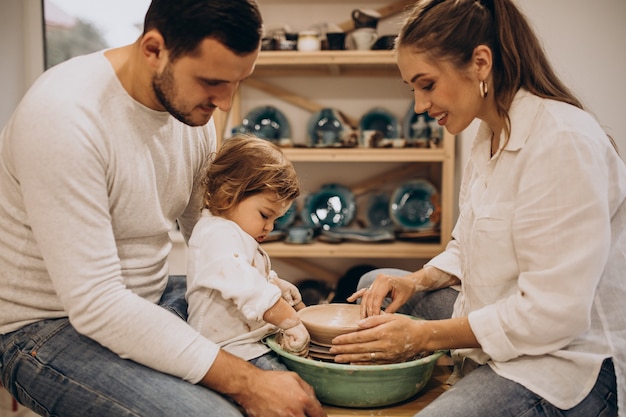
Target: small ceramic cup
308, 41
370, 138
363, 39
336, 41
299, 234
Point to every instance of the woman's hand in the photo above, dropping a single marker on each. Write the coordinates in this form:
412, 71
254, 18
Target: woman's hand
386, 338
400, 289
392, 338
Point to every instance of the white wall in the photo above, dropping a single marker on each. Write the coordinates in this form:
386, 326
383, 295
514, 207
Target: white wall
21, 49
584, 40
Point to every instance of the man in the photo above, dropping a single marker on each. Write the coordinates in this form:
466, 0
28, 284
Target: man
101, 157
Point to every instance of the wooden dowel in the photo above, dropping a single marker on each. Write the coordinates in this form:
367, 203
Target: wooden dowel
293, 98
380, 179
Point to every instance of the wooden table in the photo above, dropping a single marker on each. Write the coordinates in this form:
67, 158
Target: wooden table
435, 387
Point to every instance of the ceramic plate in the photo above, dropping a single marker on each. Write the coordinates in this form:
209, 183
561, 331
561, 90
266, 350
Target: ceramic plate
332, 206
377, 211
410, 127
381, 120
415, 205
287, 219
337, 131
267, 122
360, 235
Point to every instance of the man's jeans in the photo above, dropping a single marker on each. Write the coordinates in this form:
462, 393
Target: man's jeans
53, 370
483, 393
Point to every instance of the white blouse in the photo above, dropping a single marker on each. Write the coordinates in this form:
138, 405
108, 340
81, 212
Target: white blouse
540, 249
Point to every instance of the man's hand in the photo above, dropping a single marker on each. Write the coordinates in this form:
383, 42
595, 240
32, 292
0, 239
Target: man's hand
262, 393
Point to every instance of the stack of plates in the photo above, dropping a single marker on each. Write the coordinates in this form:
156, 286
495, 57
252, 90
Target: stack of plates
321, 352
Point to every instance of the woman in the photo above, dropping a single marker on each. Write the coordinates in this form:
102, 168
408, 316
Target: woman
538, 252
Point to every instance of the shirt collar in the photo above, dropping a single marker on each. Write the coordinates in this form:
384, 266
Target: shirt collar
523, 112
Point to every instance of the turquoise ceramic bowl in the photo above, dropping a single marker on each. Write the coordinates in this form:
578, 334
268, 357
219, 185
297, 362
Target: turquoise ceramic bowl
360, 386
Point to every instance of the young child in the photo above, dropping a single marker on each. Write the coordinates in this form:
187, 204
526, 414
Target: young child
234, 297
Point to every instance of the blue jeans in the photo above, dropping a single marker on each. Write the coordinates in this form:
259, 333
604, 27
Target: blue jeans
269, 362
483, 393
51, 369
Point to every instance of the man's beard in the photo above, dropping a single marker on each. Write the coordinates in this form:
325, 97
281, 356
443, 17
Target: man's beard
163, 86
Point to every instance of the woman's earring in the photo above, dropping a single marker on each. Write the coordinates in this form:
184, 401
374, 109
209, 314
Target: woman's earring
484, 90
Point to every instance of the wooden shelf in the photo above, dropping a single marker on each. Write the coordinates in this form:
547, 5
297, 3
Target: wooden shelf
365, 155
353, 250
396, 249
324, 63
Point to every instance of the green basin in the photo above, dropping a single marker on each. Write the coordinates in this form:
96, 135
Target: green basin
360, 386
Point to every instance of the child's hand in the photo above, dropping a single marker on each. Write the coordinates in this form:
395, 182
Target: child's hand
295, 340
289, 292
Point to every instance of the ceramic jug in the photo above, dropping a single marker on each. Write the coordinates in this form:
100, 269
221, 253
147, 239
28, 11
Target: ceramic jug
365, 18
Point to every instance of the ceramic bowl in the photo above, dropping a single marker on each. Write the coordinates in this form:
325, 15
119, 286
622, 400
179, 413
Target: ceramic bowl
360, 386
325, 321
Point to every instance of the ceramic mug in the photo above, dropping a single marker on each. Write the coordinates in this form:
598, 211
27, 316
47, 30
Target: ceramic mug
363, 39
299, 234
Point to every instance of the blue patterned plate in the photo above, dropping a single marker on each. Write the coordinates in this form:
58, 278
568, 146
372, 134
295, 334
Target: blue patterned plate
332, 206
287, 219
381, 120
325, 129
377, 211
415, 205
266, 122
417, 127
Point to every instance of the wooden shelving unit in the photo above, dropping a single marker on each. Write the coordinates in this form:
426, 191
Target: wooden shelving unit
348, 63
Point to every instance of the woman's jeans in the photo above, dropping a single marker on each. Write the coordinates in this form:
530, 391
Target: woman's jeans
483, 393
51, 369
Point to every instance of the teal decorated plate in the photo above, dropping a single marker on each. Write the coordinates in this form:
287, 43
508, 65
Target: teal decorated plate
287, 219
382, 121
332, 206
325, 129
377, 211
266, 122
415, 206
417, 127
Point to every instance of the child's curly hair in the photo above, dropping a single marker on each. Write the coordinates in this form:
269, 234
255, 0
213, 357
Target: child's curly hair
244, 166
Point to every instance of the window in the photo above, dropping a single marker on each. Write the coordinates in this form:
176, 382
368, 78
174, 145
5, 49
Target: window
77, 27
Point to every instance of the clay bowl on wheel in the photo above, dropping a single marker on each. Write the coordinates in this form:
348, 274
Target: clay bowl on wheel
360, 386
325, 321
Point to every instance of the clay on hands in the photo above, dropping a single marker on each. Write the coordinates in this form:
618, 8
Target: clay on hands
295, 340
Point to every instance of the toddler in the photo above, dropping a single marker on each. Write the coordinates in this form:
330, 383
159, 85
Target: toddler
235, 298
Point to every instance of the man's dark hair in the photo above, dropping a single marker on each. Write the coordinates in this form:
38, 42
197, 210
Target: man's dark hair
237, 24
